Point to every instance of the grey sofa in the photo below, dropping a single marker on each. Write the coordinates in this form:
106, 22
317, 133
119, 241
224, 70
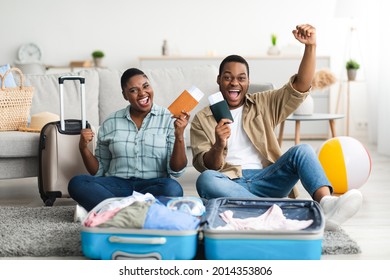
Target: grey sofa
19, 150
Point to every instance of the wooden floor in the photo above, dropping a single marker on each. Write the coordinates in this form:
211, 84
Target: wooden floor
370, 227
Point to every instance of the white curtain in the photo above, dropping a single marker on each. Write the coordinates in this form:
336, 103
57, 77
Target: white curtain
372, 34
376, 41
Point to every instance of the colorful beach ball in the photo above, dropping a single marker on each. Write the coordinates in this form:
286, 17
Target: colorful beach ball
346, 162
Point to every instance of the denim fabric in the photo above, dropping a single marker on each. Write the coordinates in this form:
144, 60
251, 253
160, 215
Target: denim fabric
88, 191
300, 162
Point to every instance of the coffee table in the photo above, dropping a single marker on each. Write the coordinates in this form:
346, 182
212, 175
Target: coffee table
314, 117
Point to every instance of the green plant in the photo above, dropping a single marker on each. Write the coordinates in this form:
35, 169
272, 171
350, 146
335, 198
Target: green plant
352, 64
97, 54
274, 39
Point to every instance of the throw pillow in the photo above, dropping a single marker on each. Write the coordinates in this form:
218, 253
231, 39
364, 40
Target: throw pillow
9, 80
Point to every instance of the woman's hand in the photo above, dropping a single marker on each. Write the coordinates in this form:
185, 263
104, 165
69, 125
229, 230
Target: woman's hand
179, 158
86, 136
90, 162
181, 123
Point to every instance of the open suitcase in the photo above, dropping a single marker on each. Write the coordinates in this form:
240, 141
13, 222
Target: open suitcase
114, 243
59, 155
126, 244
209, 241
224, 244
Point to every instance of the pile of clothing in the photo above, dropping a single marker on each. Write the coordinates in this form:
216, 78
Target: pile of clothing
142, 211
272, 219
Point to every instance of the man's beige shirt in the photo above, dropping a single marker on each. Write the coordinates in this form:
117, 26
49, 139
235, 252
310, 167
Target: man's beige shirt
262, 112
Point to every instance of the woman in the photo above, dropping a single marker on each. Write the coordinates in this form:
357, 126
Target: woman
138, 149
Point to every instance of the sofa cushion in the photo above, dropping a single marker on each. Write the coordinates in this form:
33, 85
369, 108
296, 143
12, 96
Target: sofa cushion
110, 97
46, 95
23, 167
19, 144
167, 84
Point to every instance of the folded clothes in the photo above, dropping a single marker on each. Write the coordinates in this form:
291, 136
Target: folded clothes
132, 216
106, 209
95, 219
140, 212
189, 204
160, 216
272, 219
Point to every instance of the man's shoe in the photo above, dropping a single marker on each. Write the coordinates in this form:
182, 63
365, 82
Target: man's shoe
337, 210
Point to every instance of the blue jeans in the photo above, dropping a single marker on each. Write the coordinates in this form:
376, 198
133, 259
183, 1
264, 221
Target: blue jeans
88, 190
277, 180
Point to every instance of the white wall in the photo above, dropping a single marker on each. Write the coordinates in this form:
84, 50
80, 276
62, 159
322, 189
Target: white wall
126, 29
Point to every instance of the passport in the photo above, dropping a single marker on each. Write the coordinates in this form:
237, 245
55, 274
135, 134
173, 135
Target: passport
219, 107
186, 101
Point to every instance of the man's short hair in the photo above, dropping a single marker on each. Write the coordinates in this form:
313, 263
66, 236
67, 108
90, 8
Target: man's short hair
233, 58
128, 74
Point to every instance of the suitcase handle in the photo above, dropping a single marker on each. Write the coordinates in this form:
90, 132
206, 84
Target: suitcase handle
119, 255
71, 78
61, 80
133, 240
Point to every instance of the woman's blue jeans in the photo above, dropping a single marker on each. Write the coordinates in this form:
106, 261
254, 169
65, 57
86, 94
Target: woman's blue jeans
88, 190
300, 162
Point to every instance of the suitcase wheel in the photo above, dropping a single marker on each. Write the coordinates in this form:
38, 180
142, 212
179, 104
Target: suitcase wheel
49, 201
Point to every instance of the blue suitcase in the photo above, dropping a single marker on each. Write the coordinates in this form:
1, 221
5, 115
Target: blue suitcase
120, 244
112, 243
222, 244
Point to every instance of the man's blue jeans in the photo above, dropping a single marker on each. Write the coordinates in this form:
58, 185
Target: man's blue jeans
88, 190
277, 180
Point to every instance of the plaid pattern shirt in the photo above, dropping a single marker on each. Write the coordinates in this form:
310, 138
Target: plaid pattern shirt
125, 151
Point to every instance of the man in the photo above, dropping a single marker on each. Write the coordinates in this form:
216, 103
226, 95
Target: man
243, 158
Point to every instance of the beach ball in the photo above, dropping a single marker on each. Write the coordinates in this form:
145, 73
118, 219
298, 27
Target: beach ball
346, 162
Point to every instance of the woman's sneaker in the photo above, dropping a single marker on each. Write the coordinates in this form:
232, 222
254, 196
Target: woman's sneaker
79, 214
337, 210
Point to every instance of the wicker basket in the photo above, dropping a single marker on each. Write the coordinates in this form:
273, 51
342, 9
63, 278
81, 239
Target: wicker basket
15, 103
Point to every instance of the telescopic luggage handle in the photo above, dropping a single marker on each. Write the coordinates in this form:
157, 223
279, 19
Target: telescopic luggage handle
71, 78
82, 89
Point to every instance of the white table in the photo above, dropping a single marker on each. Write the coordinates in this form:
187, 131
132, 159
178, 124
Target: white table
314, 117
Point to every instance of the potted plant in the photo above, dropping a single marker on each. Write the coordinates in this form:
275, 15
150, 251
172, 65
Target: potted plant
273, 49
274, 39
352, 66
97, 57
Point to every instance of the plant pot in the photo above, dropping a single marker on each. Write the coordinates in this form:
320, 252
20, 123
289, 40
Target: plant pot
351, 74
98, 61
306, 108
273, 50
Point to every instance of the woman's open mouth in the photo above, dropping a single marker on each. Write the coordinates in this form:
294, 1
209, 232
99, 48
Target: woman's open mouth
144, 101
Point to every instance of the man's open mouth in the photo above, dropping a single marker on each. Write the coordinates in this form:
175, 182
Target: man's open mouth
233, 94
